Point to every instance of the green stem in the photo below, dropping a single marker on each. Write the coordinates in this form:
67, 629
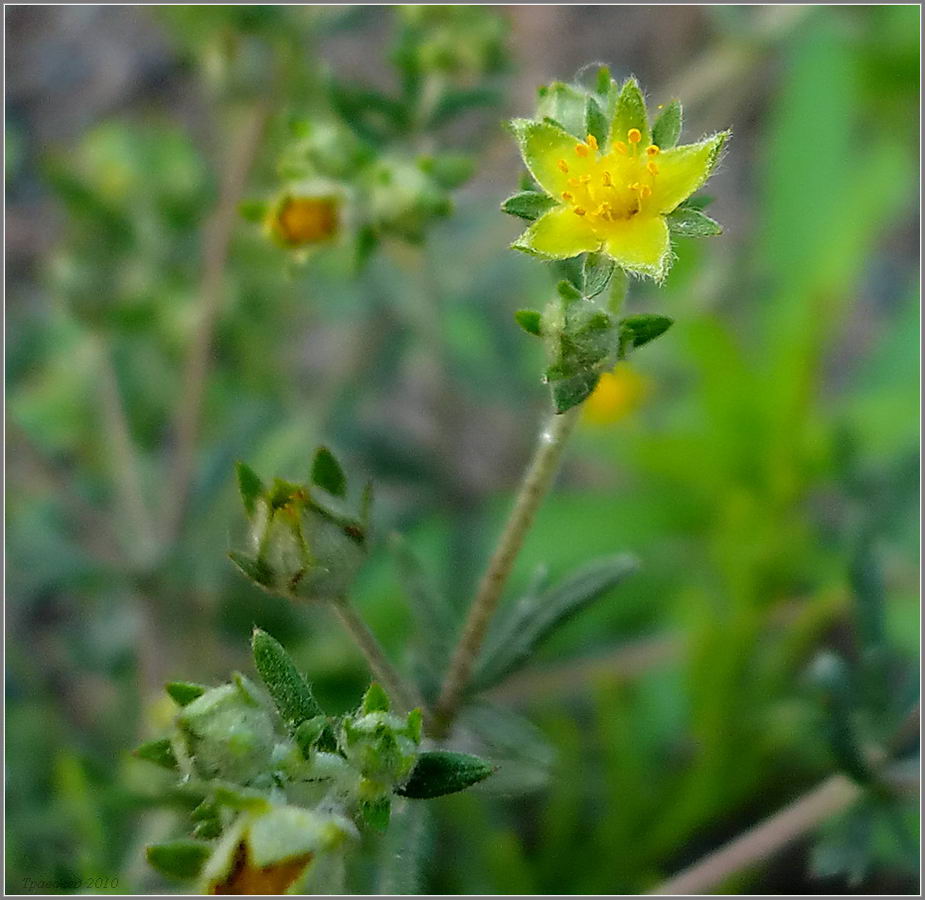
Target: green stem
399, 692
534, 487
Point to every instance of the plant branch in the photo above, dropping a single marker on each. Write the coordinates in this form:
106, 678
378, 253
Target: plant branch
536, 483
399, 692
217, 242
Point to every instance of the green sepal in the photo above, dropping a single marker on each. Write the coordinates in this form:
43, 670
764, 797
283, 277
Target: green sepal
315, 734
250, 486
376, 813
288, 688
619, 288
440, 772
415, 725
635, 331
181, 859
596, 272
689, 222
603, 81
630, 113
595, 121
184, 692
375, 699
328, 474
667, 127
247, 690
568, 292
159, 752
255, 569
569, 392
529, 205
207, 829
240, 798
530, 320
565, 106
208, 809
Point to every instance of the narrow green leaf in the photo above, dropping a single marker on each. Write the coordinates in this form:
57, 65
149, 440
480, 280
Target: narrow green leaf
596, 272
595, 121
667, 128
182, 859
532, 619
250, 486
289, 690
689, 222
638, 330
255, 569
375, 699
529, 205
160, 752
327, 473
530, 320
630, 113
184, 692
440, 772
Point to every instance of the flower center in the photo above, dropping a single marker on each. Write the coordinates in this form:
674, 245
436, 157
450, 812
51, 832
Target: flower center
611, 187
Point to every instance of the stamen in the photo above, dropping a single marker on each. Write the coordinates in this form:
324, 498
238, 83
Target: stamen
584, 179
634, 135
581, 149
652, 167
591, 141
579, 211
635, 186
574, 182
563, 165
620, 147
606, 180
653, 149
567, 197
645, 191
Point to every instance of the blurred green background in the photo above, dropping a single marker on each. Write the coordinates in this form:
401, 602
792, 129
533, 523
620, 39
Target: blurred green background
768, 484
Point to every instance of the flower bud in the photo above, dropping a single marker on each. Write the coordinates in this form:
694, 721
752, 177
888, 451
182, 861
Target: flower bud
298, 220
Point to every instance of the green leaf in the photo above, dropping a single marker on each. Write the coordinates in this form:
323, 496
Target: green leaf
638, 330
315, 733
181, 859
250, 486
667, 128
595, 121
619, 287
596, 272
159, 752
289, 690
603, 81
568, 292
529, 205
255, 569
376, 813
440, 772
565, 105
630, 113
184, 692
328, 474
241, 798
569, 392
533, 618
415, 724
530, 320
375, 699
689, 222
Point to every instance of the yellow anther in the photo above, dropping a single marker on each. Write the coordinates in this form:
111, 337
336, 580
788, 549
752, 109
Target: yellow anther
567, 197
634, 135
579, 211
581, 149
645, 191
620, 147
563, 165
652, 167
573, 182
635, 186
606, 180
591, 141
584, 179
653, 149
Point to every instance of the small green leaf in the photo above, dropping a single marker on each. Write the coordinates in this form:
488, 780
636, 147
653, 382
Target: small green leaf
564, 105
596, 272
689, 222
638, 330
159, 752
415, 724
242, 798
604, 81
596, 121
184, 692
250, 486
630, 113
568, 292
440, 772
308, 734
667, 128
530, 320
619, 287
207, 829
255, 569
182, 859
569, 392
376, 813
206, 810
375, 699
289, 690
529, 205
700, 201
328, 474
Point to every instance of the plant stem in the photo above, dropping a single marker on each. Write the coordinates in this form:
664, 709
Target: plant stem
217, 244
536, 483
399, 692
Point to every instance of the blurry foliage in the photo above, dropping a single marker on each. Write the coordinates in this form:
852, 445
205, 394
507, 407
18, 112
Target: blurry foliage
766, 486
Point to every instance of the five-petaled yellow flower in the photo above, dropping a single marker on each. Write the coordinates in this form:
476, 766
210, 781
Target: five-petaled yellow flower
613, 195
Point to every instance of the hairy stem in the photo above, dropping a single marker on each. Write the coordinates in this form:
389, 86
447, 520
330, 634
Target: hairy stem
536, 483
217, 243
399, 692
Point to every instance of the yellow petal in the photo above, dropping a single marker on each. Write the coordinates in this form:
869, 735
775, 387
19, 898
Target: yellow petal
558, 234
545, 148
640, 244
618, 394
684, 169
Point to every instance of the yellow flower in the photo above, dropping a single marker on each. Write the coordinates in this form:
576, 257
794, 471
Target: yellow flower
613, 195
618, 394
299, 221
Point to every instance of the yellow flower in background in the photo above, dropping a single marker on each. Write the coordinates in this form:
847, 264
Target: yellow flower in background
618, 394
613, 194
300, 221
